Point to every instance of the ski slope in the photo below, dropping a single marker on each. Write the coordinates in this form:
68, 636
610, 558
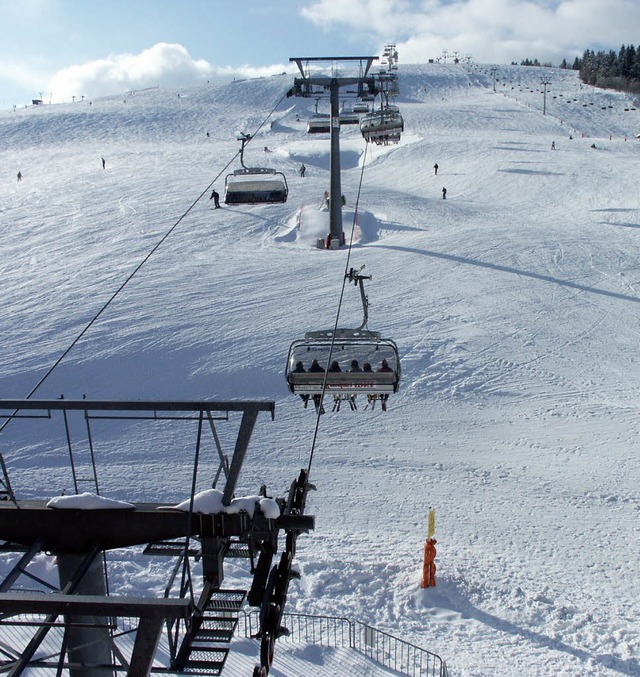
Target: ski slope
515, 305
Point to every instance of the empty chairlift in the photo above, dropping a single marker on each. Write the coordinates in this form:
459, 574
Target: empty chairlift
254, 185
320, 123
349, 117
361, 107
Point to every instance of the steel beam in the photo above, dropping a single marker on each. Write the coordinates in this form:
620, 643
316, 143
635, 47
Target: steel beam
139, 405
242, 443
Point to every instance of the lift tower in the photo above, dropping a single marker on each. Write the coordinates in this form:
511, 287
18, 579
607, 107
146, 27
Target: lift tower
310, 86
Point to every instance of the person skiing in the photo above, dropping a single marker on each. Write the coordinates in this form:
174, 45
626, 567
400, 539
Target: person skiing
435, 168
104, 163
19, 176
303, 169
553, 145
444, 193
215, 196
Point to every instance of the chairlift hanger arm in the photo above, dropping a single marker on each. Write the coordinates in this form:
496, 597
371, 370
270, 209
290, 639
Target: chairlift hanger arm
358, 279
244, 140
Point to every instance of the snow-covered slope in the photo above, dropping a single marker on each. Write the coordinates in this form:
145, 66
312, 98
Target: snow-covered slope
514, 303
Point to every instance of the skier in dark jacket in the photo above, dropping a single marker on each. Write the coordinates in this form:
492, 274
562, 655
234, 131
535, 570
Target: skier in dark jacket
315, 366
299, 369
216, 198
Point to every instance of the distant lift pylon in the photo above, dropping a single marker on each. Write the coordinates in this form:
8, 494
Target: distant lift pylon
254, 185
345, 361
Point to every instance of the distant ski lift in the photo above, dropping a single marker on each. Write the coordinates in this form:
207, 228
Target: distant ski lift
351, 361
254, 185
349, 117
320, 123
383, 126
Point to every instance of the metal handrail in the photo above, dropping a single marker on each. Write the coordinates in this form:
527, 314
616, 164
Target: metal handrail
379, 646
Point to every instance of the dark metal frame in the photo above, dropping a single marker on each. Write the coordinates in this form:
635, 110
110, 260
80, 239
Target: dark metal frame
80, 538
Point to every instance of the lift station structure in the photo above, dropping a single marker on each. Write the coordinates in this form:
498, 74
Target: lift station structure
314, 85
77, 627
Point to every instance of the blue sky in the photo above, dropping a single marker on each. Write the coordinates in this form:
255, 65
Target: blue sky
94, 47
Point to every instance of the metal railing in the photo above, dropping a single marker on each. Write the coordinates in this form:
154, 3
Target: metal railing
381, 647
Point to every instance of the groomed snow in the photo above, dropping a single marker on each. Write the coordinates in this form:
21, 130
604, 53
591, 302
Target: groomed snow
514, 303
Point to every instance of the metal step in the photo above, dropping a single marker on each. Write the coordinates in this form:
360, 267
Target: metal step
238, 549
206, 662
216, 629
226, 600
169, 549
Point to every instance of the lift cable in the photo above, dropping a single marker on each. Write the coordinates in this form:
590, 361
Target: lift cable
335, 326
122, 286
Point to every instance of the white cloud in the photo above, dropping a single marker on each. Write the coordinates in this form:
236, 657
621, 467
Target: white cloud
17, 72
494, 31
165, 65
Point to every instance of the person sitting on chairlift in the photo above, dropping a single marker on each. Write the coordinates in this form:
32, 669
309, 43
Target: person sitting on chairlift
355, 367
317, 399
299, 369
315, 366
335, 367
384, 367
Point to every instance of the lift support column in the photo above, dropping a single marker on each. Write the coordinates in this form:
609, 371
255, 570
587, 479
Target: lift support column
311, 86
87, 636
336, 234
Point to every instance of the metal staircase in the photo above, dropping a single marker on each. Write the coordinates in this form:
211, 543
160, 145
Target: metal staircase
205, 647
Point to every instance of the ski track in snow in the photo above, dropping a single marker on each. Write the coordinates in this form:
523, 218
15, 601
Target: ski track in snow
514, 303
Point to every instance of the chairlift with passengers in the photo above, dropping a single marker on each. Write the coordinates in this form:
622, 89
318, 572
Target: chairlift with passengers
254, 185
383, 126
344, 362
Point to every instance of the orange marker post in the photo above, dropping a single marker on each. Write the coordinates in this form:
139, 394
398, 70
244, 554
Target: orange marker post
429, 565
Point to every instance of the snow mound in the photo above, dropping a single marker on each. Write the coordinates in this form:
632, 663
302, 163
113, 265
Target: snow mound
209, 502
88, 501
